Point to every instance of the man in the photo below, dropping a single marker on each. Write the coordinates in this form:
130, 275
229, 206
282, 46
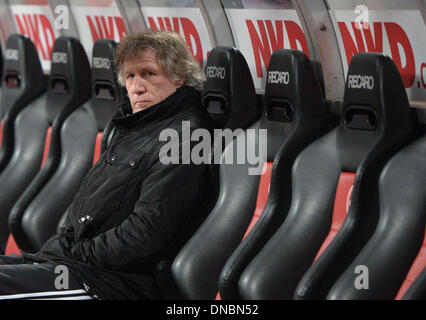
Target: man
132, 210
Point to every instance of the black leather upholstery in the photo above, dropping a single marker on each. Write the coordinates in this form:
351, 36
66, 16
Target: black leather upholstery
69, 87
399, 235
376, 122
106, 92
230, 98
23, 82
294, 115
229, 93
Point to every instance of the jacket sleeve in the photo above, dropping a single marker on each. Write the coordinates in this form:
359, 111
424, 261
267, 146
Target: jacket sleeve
169, 196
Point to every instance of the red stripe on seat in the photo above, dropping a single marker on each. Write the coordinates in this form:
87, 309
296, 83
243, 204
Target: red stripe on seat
98, 144
341, 207
11, 246
262, 195
46, 145
416, 268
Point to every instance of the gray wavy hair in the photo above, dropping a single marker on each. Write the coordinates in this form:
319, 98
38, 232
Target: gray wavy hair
172, 53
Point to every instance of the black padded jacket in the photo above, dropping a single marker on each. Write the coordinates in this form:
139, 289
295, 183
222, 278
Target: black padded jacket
133, 211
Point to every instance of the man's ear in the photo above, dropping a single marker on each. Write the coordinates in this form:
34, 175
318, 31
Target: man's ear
180, 83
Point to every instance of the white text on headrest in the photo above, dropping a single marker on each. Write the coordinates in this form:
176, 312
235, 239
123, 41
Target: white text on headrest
59, 57
358, 81
215, 72
281, 77
12, 54
101, 63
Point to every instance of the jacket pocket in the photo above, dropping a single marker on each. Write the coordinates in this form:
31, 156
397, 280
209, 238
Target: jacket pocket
122, 171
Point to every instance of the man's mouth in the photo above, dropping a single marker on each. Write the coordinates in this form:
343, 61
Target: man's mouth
142, 102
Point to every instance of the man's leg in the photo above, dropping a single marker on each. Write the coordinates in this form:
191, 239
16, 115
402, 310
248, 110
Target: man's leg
11, 259
38, 281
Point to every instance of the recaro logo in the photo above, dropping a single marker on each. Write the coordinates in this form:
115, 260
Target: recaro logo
358, 81
278, 77
101, 63
59, 57
12, 54
214, 72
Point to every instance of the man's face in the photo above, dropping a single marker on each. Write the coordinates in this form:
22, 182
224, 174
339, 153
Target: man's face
146, 82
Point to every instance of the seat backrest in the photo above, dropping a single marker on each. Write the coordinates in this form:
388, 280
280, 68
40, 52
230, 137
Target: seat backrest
230, 98
345, 162
80, 138
23, 83
294, 115
395, 251
69, 88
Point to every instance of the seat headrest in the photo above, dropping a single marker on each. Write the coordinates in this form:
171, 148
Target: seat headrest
375, 94
375, 108
292, 88
21, 69
103, 67
106, 91
70, 75
292, 95
229, 94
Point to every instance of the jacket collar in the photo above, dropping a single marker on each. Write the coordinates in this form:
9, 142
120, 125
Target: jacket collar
178, 101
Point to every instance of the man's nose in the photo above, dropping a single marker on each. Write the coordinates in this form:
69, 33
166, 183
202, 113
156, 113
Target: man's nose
138, 85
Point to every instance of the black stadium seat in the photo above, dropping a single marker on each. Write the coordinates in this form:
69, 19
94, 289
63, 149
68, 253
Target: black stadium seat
69, 87
81, 137
295, 115
288, 115
340, 170
230, 98
396, 245
23, 83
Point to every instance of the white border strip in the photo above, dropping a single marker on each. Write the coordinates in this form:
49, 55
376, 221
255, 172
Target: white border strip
42, 294
85, 297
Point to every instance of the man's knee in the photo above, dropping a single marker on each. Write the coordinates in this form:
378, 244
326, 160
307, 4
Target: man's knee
11, 259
